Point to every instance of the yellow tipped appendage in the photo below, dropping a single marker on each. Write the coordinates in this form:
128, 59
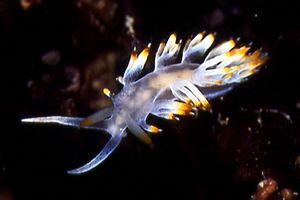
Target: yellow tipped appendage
172, 39
229, 44
204, 102
181, 108
196, 39
154, 129
133, 58
107, 92
142, 58
210, 38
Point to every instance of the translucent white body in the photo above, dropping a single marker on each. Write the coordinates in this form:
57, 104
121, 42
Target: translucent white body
173, 89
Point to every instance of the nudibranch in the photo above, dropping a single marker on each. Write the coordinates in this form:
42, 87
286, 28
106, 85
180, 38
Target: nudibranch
178, 86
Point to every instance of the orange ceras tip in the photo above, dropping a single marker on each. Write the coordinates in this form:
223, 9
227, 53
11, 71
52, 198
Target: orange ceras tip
217, 82
242, 51
228, 76
196, 40
197, 103
198, 37
143, 55
154, 129
172, 38
211, 37
171, 116
227, 69
85, 122
238, 52
205, 103
231, 43
256, 60
182, 108
133, 56
107, 92
145, 52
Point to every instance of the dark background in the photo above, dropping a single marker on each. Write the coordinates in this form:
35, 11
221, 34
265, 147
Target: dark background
55, 57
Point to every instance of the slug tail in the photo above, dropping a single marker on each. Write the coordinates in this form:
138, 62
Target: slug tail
102, 120
110, 146
61, 120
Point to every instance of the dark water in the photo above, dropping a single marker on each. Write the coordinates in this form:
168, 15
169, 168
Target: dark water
57, 55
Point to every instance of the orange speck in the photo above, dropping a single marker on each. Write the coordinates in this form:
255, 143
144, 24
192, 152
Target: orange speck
107, 92
172, 38
197, 103
227, 69
171, 116
206, 104
133, 56
231, 43
85, 122
217, 82
240, 51
211, 37
144, 54
154, 129
182, 108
